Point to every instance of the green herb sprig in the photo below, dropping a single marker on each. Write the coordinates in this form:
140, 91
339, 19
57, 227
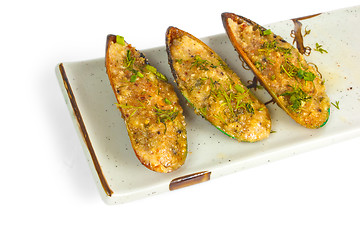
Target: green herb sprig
292, 71
319, 49
336, 104
269, 46
297, 97
231, 99
202, 64
307, 76
165, 115
126, 106
129, 64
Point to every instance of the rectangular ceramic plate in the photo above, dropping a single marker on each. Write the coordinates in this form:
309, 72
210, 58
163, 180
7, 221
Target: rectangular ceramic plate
120, 175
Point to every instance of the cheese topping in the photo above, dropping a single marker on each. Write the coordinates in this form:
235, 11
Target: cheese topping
285, 73
215, 91
150, 108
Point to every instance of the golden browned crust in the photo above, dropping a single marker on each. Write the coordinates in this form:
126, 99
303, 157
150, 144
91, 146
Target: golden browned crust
149, 106
214, 90
282, 70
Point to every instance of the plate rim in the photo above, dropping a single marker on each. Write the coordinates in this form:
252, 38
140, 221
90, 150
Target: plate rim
82, 129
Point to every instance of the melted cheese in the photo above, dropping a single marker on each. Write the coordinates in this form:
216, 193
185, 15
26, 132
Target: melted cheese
279, 63
150, 108
216, 92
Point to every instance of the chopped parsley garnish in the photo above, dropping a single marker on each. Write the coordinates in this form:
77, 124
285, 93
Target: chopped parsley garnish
297, 98
307, 76
133, 78
319, 49
292, 71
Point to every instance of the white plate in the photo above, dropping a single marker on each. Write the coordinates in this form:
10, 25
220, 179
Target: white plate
121, 177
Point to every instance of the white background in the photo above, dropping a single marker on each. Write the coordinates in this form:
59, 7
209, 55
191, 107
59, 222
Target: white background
47, 190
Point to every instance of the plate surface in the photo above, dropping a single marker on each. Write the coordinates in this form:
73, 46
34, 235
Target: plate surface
121, 177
